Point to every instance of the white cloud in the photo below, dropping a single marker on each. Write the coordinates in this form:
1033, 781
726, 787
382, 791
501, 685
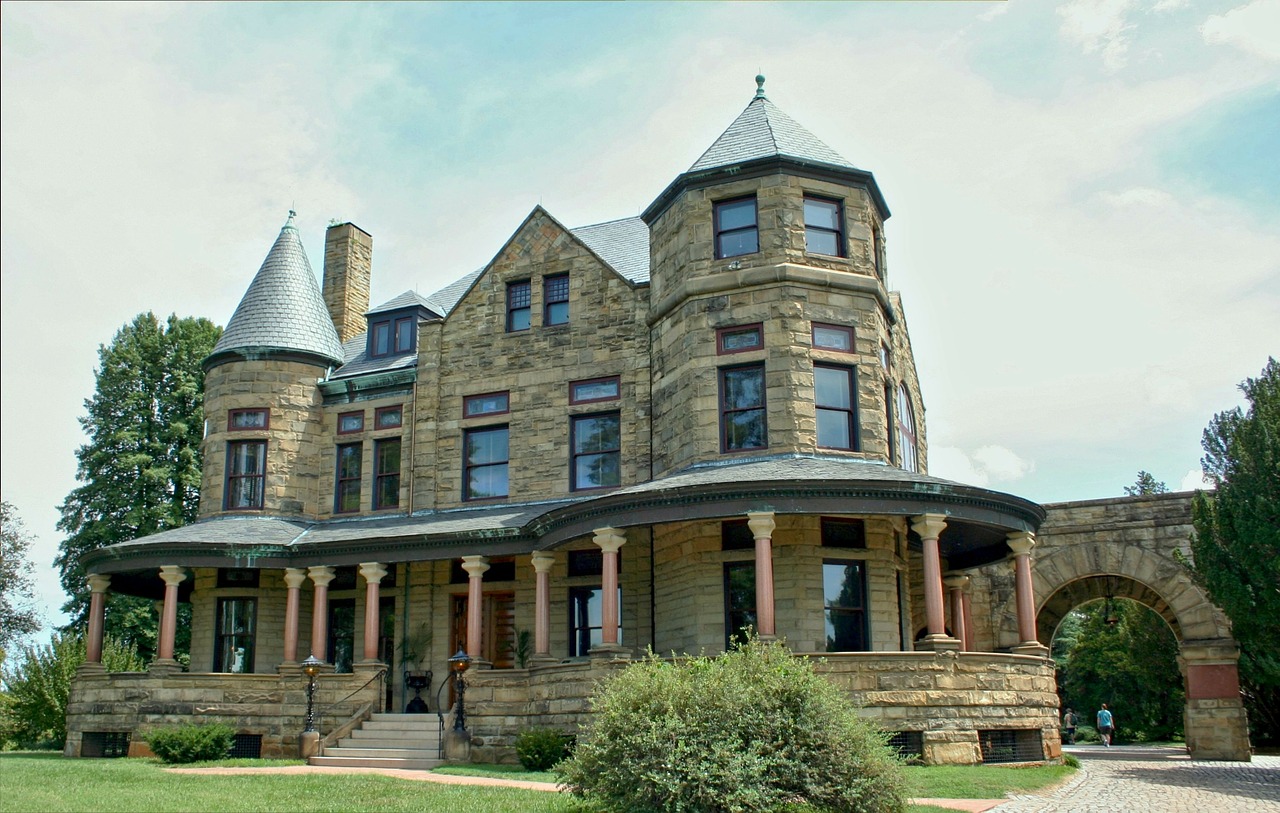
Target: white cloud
1170, 5
1253, 28
1194, 480
985, 465
1099, 26
1137, 196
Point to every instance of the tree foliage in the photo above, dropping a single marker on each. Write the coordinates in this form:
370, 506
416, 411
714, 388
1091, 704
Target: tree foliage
754, 730
18, 615
1146, 484
1236, 547
37, 689
140, 470
1121, 653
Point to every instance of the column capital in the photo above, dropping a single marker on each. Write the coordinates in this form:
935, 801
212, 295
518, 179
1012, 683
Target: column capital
542, 561
321, 575
609, 540
761, 524
294, 577
929, 526
475, 565
373, 572
172, 575
956, 581
1021, 542
98, 583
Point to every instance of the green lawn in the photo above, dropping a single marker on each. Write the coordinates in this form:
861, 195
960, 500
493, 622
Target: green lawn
48, 782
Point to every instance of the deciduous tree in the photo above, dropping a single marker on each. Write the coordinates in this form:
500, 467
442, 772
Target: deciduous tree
18, 615
1236, 548
140, 470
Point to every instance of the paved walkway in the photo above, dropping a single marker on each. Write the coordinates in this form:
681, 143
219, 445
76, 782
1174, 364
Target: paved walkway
1149, 779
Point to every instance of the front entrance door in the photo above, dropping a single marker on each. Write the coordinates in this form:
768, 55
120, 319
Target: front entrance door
498, 629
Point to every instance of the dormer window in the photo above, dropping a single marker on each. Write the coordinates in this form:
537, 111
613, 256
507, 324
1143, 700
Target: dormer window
391, 336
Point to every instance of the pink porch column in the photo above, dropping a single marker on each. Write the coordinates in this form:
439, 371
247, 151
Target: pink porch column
542, 562
172, 576
955, 585
929, 527
475, 567
762, 525
609, 540
1021, 543
97, 613
293, 579
373, 573
320, 577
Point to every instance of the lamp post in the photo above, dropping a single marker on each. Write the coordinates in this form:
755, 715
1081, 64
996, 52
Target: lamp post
311, 668
459, 663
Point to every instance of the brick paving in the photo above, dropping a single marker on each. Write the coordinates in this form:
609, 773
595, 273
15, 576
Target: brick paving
1148, 779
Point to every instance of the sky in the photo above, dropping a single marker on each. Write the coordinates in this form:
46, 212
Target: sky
1085, 194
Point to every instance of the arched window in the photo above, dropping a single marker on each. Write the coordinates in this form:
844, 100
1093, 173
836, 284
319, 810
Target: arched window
908, 457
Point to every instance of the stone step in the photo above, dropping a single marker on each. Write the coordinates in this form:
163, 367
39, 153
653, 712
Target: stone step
404, 722
368, 741
375, 762
381, 753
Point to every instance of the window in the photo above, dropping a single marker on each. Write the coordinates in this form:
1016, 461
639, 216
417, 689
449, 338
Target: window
555, 299
517, 306
233, 641
735, 534
346, 492
739, 339
843, 533
386, 473
833, 337
877, 251
242, 577
739, 600
391, 336
596, 441
888, 422
242, 419
822, 227
742, 413
589, 562
844, 592
735, 224
485, 463
907, 452
246, 472
586, 618
342, 634
388, 417
884, 356
595, 389
833, 399
350, 423
493, 403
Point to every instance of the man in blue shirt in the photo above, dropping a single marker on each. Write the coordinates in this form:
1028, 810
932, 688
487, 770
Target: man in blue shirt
1105, 725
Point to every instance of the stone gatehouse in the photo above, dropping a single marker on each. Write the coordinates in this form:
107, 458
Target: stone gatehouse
648, 432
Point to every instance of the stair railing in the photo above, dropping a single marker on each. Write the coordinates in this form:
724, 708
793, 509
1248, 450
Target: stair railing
440, 708
378, 676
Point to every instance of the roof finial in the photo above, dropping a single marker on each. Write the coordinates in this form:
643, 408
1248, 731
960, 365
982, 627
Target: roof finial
760, 86
288, 224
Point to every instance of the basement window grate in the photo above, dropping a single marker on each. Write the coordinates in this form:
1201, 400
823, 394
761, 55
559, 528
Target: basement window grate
908, 744
246, 746
1011, 745
108, 744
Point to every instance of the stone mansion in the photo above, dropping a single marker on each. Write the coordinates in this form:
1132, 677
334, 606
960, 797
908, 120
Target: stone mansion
649, 432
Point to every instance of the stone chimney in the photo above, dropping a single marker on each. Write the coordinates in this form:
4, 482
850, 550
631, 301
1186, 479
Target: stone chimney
348, 268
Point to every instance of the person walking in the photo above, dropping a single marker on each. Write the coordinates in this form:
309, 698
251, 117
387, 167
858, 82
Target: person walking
1106, 725
1069, 723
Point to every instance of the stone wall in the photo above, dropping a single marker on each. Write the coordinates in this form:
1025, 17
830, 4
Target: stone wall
947, 697
273, 706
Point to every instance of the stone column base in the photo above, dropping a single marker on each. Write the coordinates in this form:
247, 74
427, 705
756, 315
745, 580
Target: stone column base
164, 666
309, 744
1217, 729
543, 660
457, 746
609, 652
88, 668
1034, 648
289, 668
938, 643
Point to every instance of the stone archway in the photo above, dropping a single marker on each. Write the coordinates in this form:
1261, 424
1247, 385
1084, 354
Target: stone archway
1128, 547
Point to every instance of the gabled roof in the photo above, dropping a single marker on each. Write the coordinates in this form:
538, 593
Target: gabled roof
623, 244
408, 299
283, 310
764, 131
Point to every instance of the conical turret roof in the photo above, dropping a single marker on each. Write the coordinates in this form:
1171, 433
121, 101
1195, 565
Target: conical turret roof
283, 310
762, 130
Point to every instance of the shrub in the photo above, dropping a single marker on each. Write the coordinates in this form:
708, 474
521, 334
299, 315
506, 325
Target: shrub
191, 743
754, 730
1071, 760
541, 748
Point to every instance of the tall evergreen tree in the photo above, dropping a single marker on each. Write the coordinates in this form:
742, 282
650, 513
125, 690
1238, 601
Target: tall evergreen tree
1146, 484
140, 470
1236, 547
18, 616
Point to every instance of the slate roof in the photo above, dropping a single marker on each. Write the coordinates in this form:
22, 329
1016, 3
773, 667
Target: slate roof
358, 361
623, 244
764, 131
444, 300
408, 299
283, 309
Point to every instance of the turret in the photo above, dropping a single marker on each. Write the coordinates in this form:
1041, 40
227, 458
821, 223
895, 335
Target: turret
262, 406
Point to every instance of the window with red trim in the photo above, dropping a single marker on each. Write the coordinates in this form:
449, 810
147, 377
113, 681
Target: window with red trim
239, 420
739, 339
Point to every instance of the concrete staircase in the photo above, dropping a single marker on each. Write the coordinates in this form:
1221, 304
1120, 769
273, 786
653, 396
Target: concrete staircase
405, 741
